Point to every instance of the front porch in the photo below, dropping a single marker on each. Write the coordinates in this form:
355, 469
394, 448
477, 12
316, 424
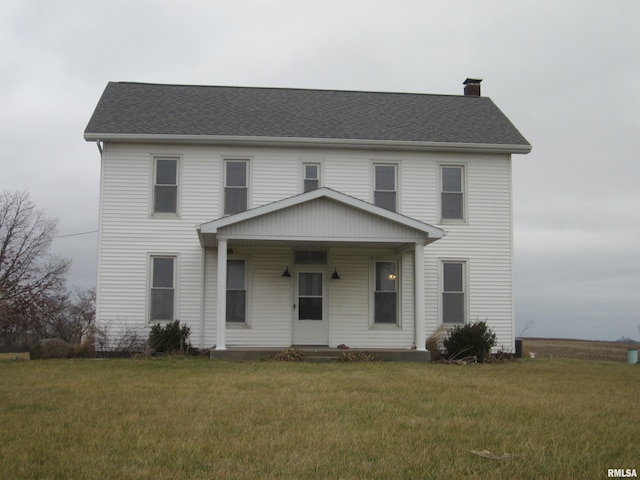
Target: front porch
320, 268
322, 354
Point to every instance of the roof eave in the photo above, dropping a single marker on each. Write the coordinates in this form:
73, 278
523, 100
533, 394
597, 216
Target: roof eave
237, 140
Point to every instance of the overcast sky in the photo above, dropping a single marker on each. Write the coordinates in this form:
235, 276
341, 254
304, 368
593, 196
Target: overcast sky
567, 73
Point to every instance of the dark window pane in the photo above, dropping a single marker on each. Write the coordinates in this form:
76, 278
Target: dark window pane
235, 200
310, 185
162, 273
161, 304
166, 199
310, 309
310, 284
166, 172
304, 257
451, 179
236, 305
453, 307
386, 276
386, 308
236, 174
311, 172
385, 200
452, 277
452, 205
385, 177
235, 274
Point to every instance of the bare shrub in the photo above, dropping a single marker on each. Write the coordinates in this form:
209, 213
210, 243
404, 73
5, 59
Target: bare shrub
289, 355
124, 341
434, 343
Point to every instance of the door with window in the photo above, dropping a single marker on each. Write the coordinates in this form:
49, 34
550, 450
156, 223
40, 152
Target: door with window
310, 316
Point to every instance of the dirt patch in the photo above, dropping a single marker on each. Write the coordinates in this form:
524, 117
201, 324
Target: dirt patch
581, 349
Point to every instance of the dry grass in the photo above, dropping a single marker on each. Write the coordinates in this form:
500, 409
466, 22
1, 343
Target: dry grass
193, 418
579, 349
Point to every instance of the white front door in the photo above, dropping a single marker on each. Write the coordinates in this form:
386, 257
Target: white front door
310, 316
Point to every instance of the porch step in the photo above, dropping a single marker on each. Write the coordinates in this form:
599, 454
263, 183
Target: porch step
322, 354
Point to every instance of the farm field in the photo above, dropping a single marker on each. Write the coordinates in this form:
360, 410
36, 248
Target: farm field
176, 417
579, 349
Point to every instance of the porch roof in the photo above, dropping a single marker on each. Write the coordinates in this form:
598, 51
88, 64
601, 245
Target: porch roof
319, 217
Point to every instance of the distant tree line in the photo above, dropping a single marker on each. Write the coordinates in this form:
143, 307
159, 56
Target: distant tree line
34, 299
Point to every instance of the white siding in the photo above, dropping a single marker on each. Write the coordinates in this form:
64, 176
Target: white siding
322, 218
350, 299
129, 234
269, 299
485, 242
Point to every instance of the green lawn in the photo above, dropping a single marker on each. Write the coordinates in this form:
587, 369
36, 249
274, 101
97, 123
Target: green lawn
192, 418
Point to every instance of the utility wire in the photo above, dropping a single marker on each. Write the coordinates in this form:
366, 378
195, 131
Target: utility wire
75, 234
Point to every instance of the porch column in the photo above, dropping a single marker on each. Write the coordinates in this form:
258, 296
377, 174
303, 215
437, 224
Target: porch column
222, 295
419, 297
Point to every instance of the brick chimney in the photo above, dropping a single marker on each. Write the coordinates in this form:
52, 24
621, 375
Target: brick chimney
472, 87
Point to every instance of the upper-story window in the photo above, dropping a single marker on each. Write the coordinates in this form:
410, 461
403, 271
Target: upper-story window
311, 176
452, 192
385, 188
165, 185
236, 186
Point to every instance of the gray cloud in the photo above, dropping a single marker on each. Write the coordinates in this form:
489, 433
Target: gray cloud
566, 73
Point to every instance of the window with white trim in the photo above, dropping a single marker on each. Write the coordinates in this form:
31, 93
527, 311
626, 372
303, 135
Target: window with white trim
311, 176
385, 186
236, 291
385, 293
163, 291
452, 192
165, 185
236, 186
453, 292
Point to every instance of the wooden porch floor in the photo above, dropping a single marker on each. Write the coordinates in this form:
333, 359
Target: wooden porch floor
321, 354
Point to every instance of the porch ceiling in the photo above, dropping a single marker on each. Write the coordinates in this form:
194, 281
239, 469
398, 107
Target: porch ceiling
321, 218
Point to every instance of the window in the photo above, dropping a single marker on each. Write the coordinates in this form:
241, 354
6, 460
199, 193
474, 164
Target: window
452, 199
384, 193
453, 283
311, 176
307, 257
235, 186
386, 293
162, 288
236, 291
165, 186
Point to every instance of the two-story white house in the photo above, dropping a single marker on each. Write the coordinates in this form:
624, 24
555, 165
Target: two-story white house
266, 217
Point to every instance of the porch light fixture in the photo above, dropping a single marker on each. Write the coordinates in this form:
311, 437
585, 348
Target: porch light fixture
392, 276
335, 275
286, 272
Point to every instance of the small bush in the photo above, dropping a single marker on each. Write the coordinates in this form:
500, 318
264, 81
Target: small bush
172, 338
470, 340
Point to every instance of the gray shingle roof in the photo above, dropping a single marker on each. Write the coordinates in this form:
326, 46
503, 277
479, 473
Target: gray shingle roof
151, 109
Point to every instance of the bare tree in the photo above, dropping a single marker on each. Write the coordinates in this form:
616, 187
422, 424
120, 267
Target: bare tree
70, 317
29, 275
